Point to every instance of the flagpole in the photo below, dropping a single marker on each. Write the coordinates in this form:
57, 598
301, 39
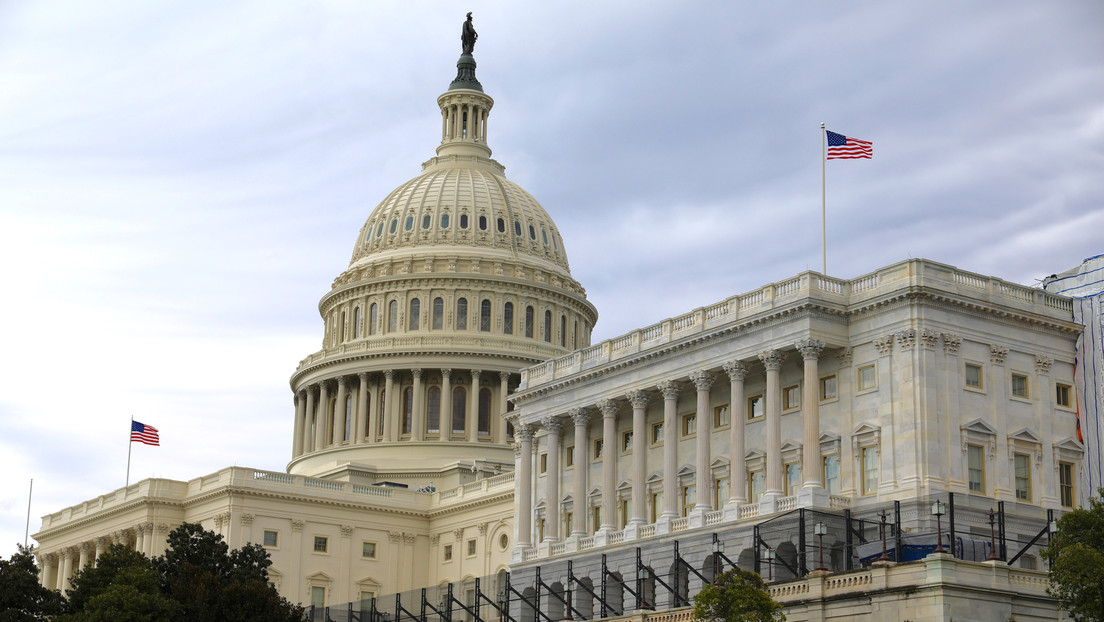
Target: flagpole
130, 447
27, 531
823, 208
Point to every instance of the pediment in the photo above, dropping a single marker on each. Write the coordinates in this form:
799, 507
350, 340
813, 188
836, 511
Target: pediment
791, 446
719, 463
1069, 445
866, 428
625, 485
369, 582
1024, 435
686, 470
829, 437
654, 476
754, 454
320, 577
977, 426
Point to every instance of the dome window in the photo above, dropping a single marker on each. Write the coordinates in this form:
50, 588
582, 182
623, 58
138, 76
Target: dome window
438, 313
517, 228
482, 223
501, 226
485, 316
379, 230
433, 410
373, 317
444, 221
409, 223
415, 313
394, 225
563, 331
544, 235
393, 316
548, 326
529, 322
426, 221
532, 232
508, 317
463, 221
459, 409
461, 314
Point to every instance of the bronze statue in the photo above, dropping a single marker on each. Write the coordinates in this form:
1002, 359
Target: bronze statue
468, 36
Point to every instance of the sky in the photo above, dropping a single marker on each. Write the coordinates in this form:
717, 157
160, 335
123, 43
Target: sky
181, 182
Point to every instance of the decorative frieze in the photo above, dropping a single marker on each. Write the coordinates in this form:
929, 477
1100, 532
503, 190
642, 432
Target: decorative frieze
246, 519
997, 354
483, 528
458, 534
394, 536
409, 538
346, 530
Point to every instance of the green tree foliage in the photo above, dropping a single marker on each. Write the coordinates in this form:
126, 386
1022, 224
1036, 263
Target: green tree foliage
122, 586
1076, 556
737, 596
22, 599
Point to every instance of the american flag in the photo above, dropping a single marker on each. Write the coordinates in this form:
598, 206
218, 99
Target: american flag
842, 147
144, 434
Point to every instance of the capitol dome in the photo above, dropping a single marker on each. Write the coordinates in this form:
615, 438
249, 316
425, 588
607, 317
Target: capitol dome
458, 280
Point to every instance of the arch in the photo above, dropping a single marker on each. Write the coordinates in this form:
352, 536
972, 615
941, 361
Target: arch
438, 313
461, 314
554, 607
678, 577
527, 612
615, 593
786, 552
709, 567
415, 313
380, 418
484, 411
508, 318
459, 409
393, 316
344, 328
746, 560
582, 600
367, 415
485, 316
433, 410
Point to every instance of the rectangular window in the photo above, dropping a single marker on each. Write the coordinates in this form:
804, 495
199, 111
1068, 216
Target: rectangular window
689, 424
1022, 466
1062, 395
755, 407
832, 474
368, 550
867, 378
829, 388
721, 492
626, 510
321, 543
599, 446
366, 604
720, 417
974, 376
596, 517
270, 538
448, 547
657, 433
540, 530
1019, 386
569, 457
791, 398
568, 520
626, 442
870, 470
318, 597
689, 498
793, 478
543, 463
757, 482
1065, 483
471, 548
657, 505
975, 456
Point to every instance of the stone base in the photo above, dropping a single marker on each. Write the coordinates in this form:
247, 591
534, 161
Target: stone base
814, 498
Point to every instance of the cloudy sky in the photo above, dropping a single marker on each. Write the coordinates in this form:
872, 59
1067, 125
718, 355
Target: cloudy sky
180, 182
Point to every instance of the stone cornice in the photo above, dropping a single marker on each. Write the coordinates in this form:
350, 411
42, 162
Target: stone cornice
124, 508
384, 354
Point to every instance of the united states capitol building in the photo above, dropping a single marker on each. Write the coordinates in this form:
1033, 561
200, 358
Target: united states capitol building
458, 424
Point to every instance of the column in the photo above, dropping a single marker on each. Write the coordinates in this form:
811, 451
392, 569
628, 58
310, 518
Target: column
552, 480
417, 424
85, 554
102, 544
472, 425
524, 484
300, 415
322, 425
305, 442
446, 405
66, 568
582, 440
140, 538
609, 410
314, 439
810, 411
340, 410
703, 380
772, 360
374, 414
388, 401
503, 406
737, 416
49, 570
639, 401
670, 389
360, 422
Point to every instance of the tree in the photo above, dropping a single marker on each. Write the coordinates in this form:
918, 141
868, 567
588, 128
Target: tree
22, 598
737, 596
1076, 557
122, 587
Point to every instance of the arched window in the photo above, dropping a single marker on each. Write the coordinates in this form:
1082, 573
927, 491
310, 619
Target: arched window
407, 409
409, 223
508, 318
356, 323
577, 343
459, 409
563, 331
482, 223
548, 326
501, 226
461, 314
463, 221
485, 316
379, 230
415, 313
433, 410
484, 411
343, 327
373, 317
529, 322
444, 221
532, 233
393, 316
380, 410
438, 313
367, 422
517, 228
394, 225
426, 221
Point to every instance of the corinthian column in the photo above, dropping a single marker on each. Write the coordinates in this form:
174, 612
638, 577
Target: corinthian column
670, 390
314, 414
703, 380
417, 425
388, 402
609, 410
472, 425
340, 410
503, 407
552, 479
297, 434
524, 484
772, 360
737, 471
810, 411
582, 440
446, 406
322, 428
360, 421
639, 401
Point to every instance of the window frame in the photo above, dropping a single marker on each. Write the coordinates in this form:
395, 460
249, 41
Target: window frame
756, 402
1063, 390
688, 425
324, 541
719, 422
823, 386
1025, 380
364, 553
979, 450
626, 442
860, 387
873, 453
1066, 484
275, 539
1025, 459
791, 398
446, 553
970, 365
825, 472
657, 434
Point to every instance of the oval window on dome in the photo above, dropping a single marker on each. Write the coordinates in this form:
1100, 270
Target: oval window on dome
532, 232
501, 226
379, 230
444, 221
482, 223
544, 234
426, 221
463, 221
517, 228
409, 223
394, 224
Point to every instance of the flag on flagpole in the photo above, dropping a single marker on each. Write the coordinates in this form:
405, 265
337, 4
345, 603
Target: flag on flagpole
842, 147
142, 433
